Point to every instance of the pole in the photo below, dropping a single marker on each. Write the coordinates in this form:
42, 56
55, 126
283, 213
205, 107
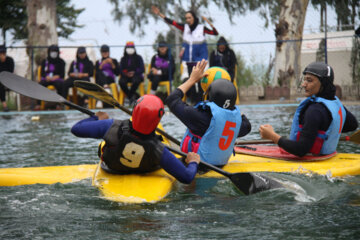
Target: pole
325, 47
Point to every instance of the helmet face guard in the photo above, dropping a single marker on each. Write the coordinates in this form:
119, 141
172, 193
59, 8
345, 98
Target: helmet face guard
147, 114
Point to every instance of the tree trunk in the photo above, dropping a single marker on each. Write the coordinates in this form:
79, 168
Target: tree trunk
41, 26
288, 54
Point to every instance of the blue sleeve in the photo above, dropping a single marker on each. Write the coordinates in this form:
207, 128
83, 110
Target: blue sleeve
176, 168
91, 127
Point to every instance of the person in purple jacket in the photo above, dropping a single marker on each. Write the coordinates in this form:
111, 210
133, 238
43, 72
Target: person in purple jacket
131, 146
162, 66
131, 70
53, 70
106, 68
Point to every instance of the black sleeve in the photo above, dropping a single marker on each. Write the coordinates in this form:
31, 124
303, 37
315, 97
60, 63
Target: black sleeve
90, 68
351, 124
62, 69
316, 116
11, 65
197, 121
245, 127
42, 69
71, 68
212, 60
232, 59
116, 69
172, 64
152, 63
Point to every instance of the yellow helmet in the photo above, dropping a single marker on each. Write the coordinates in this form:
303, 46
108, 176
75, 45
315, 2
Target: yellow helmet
213, 74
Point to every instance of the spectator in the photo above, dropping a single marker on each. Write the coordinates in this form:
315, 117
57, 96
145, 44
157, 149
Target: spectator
106, 68
80, 69
53, 69
132, 71
224, 57
162, 66
6, 64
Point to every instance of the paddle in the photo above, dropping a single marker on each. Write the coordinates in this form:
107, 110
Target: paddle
248, 183
96, 91
34, 90
355, 138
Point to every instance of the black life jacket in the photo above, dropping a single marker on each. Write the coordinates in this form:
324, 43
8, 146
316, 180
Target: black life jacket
125, 152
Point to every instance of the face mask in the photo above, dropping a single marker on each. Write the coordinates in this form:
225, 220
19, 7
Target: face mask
53, 54
130, 51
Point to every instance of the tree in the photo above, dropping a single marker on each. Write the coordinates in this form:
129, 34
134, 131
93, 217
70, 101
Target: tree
287, 15
13, 18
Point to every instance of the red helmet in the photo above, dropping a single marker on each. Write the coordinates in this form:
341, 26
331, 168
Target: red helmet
147, 113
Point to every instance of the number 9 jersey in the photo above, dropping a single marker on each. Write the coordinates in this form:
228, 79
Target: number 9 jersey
128, 152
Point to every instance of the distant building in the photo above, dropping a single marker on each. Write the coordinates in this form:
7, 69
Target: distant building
339, 46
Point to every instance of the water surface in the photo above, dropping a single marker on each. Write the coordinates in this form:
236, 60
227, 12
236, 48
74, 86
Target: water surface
314, 207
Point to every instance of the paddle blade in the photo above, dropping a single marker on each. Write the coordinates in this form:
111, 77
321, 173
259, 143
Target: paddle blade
29, 88
96, 91
250, 183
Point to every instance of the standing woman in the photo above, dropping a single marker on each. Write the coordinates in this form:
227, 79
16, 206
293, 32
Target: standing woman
194, 43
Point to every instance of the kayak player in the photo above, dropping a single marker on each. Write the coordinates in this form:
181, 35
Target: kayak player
131, 146
320, 118
213, 125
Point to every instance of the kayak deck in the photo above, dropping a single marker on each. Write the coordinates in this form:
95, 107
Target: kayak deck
45, 175
343, 164
133, 188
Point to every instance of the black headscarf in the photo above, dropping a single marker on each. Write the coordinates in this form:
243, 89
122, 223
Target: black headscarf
327, 90
196, 20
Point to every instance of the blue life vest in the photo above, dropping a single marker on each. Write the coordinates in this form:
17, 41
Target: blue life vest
326, 142
194, 44
217, 144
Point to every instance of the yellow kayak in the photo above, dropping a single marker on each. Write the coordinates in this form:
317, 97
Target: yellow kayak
341, 165
133, 188
45, 175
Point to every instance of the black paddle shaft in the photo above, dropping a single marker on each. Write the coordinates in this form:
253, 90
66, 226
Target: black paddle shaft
34, 90
247, 183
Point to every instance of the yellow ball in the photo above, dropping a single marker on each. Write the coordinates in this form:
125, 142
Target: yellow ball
213, 74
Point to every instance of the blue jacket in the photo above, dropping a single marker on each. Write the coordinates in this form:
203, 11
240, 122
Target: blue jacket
326, 142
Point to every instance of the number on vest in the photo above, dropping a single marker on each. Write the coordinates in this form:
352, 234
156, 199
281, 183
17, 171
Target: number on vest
133, 154
224, 143
341, 119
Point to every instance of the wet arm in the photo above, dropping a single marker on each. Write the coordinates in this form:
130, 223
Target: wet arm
176, 168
